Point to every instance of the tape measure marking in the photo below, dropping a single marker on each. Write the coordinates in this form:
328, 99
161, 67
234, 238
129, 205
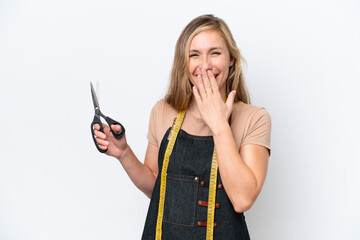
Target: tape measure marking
168, 152
212, 196
212, 185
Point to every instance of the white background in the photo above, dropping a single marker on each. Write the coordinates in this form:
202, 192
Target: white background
303, 67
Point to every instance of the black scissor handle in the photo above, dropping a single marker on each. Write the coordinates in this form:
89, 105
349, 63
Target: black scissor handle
98, 121
113, 122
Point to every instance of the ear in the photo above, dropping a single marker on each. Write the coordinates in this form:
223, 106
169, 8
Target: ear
232, 61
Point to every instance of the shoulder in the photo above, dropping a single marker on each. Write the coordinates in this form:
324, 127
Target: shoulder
246, 112
161, 118
162, 108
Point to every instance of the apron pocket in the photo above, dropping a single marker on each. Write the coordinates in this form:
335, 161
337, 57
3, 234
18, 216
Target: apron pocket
180, 199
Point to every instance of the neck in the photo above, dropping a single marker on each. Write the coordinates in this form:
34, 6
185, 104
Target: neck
194, 109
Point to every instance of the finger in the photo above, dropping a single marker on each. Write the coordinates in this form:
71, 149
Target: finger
99, 134
106, 129
214, 84
96, 126
102, 142
102, 147
200, 86
230, 99
116, 128
206, 80
196, 94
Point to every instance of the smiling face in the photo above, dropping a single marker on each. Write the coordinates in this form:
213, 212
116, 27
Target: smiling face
208, 51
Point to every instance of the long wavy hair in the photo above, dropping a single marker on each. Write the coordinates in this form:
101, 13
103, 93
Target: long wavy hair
180, 92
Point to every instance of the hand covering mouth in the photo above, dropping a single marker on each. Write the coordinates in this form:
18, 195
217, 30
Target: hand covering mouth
215, 75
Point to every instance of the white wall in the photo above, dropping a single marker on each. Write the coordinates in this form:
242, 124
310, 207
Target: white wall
303, 66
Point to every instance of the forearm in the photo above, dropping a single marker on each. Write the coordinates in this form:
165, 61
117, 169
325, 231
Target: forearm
239, 181
139, 173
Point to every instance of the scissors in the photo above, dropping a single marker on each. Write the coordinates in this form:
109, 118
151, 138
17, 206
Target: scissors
97, 120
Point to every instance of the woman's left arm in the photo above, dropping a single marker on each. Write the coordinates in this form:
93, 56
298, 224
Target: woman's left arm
242, 172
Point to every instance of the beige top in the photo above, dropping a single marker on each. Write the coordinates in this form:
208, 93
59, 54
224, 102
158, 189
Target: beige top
249, 124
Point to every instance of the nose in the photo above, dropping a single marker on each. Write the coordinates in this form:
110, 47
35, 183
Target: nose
206, 63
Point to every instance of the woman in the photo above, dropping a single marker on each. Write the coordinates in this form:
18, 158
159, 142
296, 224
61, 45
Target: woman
208, 149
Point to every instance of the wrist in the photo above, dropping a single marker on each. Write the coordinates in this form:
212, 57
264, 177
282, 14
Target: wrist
123, 154
221, 129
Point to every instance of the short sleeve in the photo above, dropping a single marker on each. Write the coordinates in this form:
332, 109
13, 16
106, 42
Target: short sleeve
151, 136
161, 118
259, 129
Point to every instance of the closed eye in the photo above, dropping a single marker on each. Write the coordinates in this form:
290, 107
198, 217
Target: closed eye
194, 55
215, 53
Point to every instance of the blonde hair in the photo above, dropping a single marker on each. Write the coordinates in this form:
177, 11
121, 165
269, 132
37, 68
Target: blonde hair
180, 92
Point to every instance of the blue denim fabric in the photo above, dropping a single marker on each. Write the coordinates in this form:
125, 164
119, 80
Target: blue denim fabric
190, 164
181, 193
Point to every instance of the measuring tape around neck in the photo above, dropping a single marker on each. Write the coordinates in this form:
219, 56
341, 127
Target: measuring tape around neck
212, 185
169, 148
212, 196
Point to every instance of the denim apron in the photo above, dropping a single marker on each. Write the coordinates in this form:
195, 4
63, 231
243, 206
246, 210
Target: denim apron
187, 190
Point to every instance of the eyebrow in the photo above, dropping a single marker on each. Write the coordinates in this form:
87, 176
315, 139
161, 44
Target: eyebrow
211, 49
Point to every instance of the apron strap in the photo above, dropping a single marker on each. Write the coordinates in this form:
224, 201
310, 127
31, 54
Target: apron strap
169, 148
212, 185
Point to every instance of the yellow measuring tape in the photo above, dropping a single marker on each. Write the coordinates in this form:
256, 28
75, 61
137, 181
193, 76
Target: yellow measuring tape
212, 185
168, 152
211, 200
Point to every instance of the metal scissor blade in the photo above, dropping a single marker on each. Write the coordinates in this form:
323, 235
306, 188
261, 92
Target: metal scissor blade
94, 98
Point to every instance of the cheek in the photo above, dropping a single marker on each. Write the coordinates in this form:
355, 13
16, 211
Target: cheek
223, 62
192, 67
192, 79
225, 66
190, 74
